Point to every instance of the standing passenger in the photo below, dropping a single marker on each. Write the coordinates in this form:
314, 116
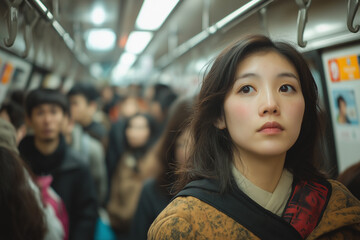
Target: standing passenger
161, 99
131, 172
251, 172
93, 154
49, 157
171, 153
83, 99
52, 205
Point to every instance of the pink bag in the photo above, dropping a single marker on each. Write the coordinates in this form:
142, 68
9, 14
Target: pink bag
52, 199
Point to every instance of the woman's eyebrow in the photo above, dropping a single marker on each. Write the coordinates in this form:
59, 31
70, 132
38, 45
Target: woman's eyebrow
246, 75
288, 74
284, 74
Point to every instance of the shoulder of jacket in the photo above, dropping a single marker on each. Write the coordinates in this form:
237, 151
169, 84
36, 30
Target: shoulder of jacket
177, 219
341, 214
340, 191
73, 160
185, 207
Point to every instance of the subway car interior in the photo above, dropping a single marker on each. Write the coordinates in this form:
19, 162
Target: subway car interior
110, 61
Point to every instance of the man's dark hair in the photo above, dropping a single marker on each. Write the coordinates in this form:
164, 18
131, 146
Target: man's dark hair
45, 96
86, 89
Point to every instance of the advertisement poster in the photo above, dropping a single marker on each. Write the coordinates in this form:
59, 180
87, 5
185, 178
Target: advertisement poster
344, 68
345, 107
14, 74
342, 73
6, 71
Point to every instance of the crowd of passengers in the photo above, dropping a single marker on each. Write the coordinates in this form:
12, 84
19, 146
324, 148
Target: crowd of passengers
147, 162
89, 159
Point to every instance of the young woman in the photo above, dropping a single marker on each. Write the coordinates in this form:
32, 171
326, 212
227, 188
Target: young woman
171, 153
251, 172
131, 172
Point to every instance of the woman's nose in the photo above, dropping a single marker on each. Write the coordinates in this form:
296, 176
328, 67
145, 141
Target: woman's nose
269, 104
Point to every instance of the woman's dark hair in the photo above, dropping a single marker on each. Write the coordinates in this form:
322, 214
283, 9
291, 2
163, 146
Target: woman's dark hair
21, 215
178, 121
140, 151
212, 152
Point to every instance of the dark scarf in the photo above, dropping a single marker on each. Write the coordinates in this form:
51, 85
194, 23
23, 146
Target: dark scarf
39, 163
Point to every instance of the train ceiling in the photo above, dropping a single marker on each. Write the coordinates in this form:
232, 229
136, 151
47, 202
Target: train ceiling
58, 34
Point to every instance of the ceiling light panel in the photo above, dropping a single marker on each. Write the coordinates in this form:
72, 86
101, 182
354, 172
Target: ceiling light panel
100, 39
137, 41
153, 14
98, 15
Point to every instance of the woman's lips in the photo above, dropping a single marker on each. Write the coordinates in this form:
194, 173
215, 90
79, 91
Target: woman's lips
271, 127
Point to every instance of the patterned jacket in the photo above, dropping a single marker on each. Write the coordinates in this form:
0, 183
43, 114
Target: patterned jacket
190, 218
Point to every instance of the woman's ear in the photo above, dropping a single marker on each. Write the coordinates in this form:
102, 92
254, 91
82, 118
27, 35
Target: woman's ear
220, 123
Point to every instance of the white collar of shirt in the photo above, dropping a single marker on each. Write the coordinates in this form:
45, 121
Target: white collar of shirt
274, 202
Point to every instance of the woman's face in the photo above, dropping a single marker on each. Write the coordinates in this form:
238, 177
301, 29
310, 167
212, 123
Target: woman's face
137, 132
263, 111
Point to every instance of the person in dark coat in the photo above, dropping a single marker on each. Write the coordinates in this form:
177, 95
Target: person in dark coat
48, 155
171, 154
131, 171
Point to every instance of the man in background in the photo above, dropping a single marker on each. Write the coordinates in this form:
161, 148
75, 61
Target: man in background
83, 106
48, 156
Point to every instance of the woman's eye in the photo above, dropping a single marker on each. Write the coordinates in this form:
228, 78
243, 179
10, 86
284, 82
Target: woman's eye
287, 88
246, 89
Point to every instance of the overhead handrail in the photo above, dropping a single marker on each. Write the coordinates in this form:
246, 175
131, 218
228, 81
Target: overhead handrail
30, 20
50, 17
352, 8
12, 21
301, 21
240, 14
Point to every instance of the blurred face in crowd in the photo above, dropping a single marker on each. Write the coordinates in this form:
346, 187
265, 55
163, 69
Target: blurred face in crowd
156, 111
129, 107
263, 111
107, 94
67, 128
149, 94
81, 110
46, 120
138, 131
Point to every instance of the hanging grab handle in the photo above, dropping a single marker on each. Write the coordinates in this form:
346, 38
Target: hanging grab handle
301, 21
28, 34
12, 21
352, 8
